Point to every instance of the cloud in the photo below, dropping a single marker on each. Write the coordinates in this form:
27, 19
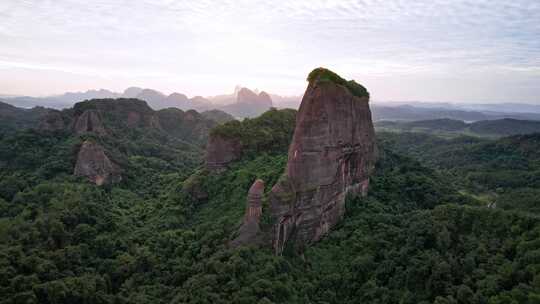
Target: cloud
248, 38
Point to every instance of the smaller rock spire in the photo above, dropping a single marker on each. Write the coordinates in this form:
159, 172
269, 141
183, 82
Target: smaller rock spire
248, 232
93, 163
254, 200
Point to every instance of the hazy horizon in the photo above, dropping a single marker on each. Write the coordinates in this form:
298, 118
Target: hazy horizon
466, 51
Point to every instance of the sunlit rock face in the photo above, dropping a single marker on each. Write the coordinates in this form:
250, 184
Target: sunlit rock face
332, 154
93, 163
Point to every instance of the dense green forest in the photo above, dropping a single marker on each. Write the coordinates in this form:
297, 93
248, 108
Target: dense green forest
424, 234
504, 173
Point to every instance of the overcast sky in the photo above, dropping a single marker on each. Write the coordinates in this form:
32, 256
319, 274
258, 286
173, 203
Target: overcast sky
432, 50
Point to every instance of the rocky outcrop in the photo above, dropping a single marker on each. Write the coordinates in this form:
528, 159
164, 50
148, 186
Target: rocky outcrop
93, 163
222, 150
249, 104
331, 155
247, 96
265, 99
89, 122
249, 231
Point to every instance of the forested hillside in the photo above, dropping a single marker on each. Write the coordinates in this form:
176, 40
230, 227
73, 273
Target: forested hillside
422, 235
13, 118
504, 173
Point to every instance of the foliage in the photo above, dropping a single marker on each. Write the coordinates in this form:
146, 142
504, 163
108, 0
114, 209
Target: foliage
13, 118
269, 133
414, 239
507, 169
325, 75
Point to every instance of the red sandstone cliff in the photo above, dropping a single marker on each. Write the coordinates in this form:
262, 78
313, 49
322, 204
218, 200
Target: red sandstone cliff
93, 163
89, 122
221, 151
332, 154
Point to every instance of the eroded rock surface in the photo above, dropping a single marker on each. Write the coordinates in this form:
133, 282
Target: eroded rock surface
332, 154
93, 163
89, 122
248, 232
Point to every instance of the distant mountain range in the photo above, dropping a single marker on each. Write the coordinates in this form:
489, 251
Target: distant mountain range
508, 107
242, 103
413, 113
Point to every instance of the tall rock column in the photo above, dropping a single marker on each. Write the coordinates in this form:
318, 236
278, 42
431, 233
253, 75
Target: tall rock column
332, 154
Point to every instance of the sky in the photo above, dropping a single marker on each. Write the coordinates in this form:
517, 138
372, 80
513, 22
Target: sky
432, 50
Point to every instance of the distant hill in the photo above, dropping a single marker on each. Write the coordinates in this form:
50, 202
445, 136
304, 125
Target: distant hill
242, 103
504, 173
497, 127
65, 100
505, 127
415, 113
410, 113
504, 107
248, 104
13, 118
115, 111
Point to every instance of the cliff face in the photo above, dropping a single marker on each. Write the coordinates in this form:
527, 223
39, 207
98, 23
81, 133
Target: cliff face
93, 163
89, 122
332, 154
221, 151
